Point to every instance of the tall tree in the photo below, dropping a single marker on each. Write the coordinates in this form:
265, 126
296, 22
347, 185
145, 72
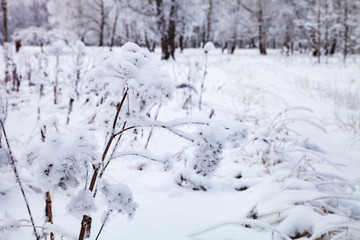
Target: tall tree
259, 12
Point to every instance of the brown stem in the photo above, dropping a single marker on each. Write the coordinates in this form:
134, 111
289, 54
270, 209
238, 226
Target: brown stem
86, 220
152, 129
71, 102
48, 212
85, 227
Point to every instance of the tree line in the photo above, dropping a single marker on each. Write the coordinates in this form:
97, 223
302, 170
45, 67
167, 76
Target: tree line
324, 27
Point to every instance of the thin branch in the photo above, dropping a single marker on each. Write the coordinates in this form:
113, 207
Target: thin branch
18, 180
103, 224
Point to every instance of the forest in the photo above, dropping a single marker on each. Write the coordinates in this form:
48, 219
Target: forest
180, 119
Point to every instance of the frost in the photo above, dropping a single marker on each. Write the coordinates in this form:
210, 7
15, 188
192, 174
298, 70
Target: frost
81, 204
118, 198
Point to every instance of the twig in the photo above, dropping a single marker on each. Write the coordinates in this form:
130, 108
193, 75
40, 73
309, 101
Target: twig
18, 180
103, 224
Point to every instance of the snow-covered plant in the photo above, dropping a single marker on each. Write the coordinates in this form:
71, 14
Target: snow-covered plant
57, 49
208, 47
79, 50
132, 73
8, 158
118, 198
301, 178
210, 143
4, 155
133, 84
82, 203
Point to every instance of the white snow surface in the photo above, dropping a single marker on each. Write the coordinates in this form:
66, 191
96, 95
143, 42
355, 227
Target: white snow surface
296, 172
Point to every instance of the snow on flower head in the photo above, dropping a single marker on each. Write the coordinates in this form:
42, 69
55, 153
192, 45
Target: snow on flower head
63, 160
79, 47
81, 204
57, 47
118, 198
133, 71
208, 47
210, 143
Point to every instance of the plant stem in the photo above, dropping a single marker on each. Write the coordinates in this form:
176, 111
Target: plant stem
86, 220
152, 129
102, 226
48, 212
203, 81
18, 180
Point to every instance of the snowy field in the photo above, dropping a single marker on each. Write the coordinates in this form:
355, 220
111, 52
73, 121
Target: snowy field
296, 175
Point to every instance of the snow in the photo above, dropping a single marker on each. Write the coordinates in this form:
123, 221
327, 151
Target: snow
285, 131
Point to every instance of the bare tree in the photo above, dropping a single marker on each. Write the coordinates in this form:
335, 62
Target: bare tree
258, 13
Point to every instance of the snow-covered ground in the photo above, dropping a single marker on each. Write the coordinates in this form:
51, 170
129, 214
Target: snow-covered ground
296, 174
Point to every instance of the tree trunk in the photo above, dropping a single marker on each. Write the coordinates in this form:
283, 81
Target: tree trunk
262, 35
162, 28
208, 21
5, 23
114, 28
333, 45
318, 50
346, 29
172, 28
102, 24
